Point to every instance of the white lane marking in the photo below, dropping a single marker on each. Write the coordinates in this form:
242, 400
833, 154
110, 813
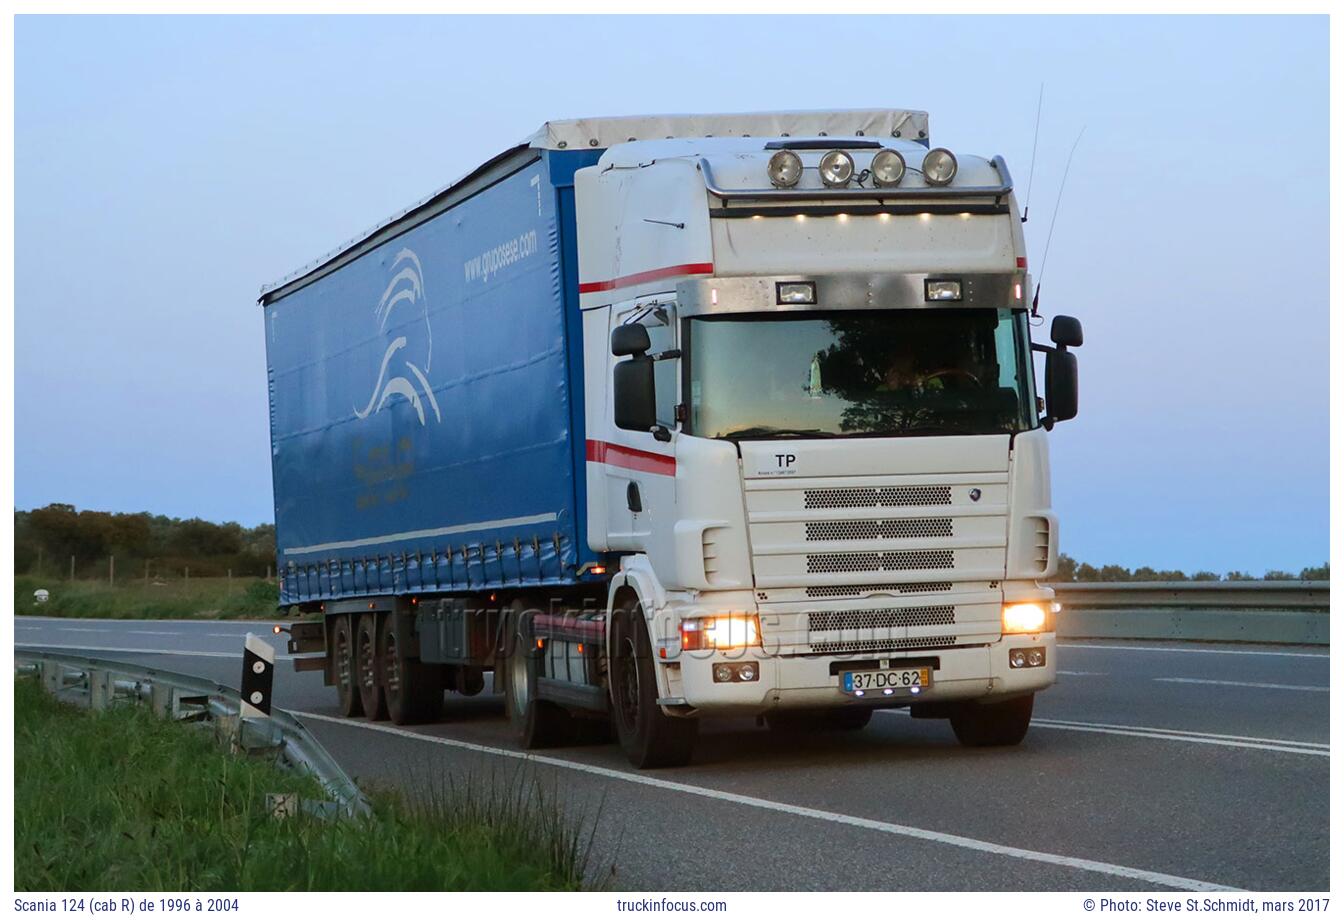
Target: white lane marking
1240, 683
221, 635
1196, 651
885, 827
1172, 734
180, 652
150, 632
1081, 673
32, 628
77, 629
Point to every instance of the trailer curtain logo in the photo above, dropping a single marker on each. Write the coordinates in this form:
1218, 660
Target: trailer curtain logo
403, 376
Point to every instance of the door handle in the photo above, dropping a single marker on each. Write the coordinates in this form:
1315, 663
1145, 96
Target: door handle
632, 498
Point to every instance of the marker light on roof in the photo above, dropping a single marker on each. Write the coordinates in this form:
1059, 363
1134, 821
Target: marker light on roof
888, 167
836, 168
940, 166
784, 169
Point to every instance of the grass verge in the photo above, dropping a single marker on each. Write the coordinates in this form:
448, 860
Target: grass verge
122, 800
204, 598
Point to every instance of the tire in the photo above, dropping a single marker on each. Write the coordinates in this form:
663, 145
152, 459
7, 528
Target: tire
536, 723
993, 724
412, 689
367, 670
841, 719
343, 666
649, 737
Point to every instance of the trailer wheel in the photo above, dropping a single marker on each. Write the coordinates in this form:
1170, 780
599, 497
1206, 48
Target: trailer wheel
537, 723
649, 737
839, 719
367, 671
411, 687
343, 664
993, 724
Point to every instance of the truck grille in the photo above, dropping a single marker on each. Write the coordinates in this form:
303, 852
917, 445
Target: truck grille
898, 529
820, 591
873, 645
891, 618
884, 497
880, 562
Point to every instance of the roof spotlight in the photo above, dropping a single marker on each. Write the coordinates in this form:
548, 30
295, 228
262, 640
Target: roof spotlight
888, 167
784, 169
940, 166
836, 168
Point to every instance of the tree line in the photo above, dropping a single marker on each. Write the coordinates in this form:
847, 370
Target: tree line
1072, 570
46, 539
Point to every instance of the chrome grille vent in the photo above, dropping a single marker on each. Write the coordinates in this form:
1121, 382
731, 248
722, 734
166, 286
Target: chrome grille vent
939, 615
880, 562
898, 529
887, 497
865, 645
932, 587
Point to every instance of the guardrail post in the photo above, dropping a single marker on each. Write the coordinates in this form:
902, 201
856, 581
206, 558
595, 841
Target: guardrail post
51, 676
161, 699
100, 689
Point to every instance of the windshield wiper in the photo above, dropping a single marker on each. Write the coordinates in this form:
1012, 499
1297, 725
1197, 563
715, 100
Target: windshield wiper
759, 431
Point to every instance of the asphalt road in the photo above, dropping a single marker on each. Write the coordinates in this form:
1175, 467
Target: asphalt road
1148, 766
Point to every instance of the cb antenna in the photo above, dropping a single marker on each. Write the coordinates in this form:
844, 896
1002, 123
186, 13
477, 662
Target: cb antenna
1036, 136
1036, 298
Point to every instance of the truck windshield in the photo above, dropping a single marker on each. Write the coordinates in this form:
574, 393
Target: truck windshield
859, 373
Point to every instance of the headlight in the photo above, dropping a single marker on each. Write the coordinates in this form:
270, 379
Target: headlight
784, 169
730, 631
836, 168
888, 167
940, 166
1023, 618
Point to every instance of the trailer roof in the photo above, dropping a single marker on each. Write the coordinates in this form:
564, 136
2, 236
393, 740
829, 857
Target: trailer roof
600, 133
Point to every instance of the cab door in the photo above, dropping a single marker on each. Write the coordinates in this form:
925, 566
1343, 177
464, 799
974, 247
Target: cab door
640, 467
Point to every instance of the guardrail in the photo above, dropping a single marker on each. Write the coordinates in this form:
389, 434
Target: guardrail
98, 683
1294, 612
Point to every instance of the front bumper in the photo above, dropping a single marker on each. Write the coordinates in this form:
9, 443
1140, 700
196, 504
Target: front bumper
811, 681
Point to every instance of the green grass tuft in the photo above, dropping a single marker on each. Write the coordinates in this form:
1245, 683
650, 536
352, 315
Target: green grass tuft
121, 800
204, 598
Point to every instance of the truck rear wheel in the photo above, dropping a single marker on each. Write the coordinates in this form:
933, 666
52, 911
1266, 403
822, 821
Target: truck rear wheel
993, 724
343, 666
649, 737
412, 688
537, 723
367, 670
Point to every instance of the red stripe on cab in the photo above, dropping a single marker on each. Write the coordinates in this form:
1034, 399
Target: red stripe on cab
693, 268
644, 461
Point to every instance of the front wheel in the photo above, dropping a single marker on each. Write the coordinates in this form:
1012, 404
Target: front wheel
649, 737
993, 724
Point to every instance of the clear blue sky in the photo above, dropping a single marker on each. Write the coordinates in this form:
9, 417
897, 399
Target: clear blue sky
166, 167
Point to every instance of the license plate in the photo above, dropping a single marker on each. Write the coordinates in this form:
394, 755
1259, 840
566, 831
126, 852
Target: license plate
897, 679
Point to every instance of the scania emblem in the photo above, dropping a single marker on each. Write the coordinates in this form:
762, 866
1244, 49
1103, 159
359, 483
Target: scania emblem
975, 495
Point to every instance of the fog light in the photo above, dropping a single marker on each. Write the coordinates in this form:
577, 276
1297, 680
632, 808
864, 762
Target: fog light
940, 166
795, 292
888, 167
1017, 659
784, 169
1036, 657
746, 672
942, 290
836, 168
723, 673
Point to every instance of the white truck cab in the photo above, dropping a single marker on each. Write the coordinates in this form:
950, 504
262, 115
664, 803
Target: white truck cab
813, 431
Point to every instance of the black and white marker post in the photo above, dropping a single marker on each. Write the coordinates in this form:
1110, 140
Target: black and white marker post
258, 675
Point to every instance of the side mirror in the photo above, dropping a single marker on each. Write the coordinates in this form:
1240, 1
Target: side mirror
1061, 382
632, 339
632, 386
1066, 332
